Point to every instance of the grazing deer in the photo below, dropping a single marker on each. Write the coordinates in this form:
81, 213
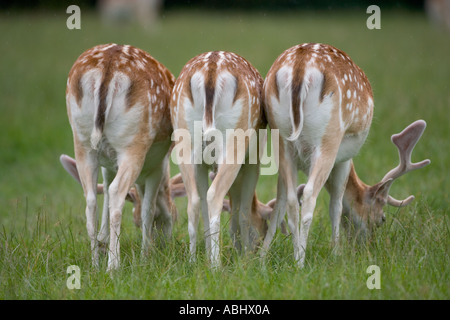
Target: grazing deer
170, 188
322, 103
175, 189
219, 91
117, 102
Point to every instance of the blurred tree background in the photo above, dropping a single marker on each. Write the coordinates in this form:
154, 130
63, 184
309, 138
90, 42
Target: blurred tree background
227, 4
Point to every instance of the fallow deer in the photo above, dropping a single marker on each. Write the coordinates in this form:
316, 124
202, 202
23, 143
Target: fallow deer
117, 101
322, 103
220, 91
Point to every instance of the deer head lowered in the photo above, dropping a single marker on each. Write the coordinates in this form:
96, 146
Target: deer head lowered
363, 204
176, 189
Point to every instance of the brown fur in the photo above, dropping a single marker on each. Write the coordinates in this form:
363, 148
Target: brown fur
340, 66
117, 59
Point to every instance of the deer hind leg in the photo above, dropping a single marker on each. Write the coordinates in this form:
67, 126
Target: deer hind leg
201, 180
288, 174
241, 205
235, 204
248, 231
285, 165
335, 185
130, 165
87, 165
193, 207
151, 189
225, 177
103, 235
322, 162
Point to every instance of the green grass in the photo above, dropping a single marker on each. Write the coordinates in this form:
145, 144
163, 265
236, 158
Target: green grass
42, 223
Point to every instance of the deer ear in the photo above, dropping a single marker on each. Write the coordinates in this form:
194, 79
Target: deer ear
272, 203
70, 166
382, 188
177, 190
265, 210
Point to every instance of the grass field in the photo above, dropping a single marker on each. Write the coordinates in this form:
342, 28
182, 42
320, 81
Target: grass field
42, 221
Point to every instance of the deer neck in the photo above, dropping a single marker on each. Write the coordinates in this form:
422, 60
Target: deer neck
354, 197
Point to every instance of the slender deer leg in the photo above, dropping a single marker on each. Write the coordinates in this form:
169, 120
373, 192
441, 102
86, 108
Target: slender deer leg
234, 194
321, 166
151, 189
289, 175
103, 235
129, 169
193, 206
216, 193
336, 188
88, 170
201, 179
280, 205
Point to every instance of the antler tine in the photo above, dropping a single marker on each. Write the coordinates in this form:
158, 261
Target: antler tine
399, 203
405, 142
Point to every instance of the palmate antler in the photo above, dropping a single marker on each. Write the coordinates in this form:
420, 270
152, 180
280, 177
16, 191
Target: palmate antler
405, 142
